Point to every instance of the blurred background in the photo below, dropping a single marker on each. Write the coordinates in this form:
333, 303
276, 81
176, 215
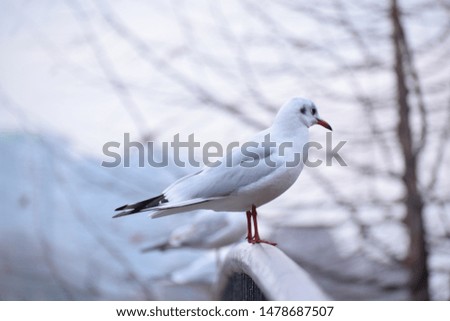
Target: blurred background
75, 75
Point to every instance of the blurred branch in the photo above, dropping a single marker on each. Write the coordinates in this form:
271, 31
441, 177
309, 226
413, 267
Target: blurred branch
199, 57
364, 229
106, 65
339, 277
359, 96
49, 46
445, 219
246, 70
284, 40
372, 171
417, 91
346, 22
163, 66
443, 141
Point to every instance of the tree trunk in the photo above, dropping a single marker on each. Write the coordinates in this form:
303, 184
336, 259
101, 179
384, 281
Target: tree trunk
416, 259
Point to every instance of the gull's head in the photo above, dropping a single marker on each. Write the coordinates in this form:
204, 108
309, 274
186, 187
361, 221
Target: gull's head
303, 111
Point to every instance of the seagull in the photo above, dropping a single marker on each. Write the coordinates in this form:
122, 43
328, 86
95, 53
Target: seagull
245, 178
205, 231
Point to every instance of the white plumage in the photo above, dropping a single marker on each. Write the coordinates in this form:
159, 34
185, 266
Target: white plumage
248, 180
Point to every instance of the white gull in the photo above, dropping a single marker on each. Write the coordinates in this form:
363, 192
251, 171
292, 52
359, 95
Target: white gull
247, 180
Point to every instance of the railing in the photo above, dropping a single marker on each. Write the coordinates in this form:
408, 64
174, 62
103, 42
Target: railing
260, 272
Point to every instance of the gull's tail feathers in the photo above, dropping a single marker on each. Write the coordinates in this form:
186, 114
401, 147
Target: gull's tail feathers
161, 206
179, 207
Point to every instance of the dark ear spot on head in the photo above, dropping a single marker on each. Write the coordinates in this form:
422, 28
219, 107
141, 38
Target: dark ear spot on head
303, 110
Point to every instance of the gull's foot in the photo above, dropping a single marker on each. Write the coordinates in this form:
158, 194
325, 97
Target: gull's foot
256, 241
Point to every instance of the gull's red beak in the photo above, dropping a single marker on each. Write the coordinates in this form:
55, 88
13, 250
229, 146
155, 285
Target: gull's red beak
324, 124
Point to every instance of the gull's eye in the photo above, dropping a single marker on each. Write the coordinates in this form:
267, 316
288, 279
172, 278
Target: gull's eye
313, 111
303, 110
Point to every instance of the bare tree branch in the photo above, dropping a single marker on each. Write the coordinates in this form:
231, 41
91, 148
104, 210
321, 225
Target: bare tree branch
106, 65
160, 64
246, 70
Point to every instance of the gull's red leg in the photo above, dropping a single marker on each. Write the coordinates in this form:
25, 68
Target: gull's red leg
256, 238
249, 227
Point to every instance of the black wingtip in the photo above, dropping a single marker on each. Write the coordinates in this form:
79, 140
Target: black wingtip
125, 213
140, 206
161, 247
121, 208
